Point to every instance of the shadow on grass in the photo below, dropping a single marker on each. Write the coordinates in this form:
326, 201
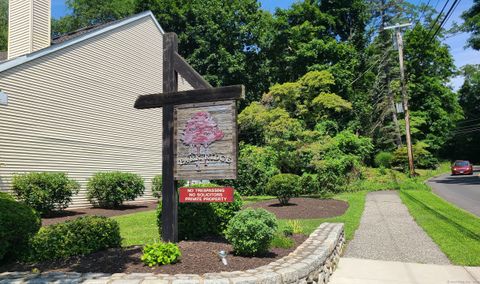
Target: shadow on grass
465, 231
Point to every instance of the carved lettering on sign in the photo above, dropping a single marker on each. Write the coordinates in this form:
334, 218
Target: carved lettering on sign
205, 139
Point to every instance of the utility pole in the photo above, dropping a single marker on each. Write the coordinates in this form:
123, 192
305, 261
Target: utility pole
398, 33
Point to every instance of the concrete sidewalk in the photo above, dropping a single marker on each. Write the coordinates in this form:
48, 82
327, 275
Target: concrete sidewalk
387, 231
364, 271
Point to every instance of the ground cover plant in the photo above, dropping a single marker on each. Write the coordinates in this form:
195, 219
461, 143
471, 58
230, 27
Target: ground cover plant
160, 254
111, 189
454, 230
45, 191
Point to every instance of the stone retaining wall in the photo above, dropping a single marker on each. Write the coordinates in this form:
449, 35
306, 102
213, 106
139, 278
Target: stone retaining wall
312, 262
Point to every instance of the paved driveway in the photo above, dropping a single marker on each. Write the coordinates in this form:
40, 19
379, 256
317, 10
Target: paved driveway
463, 191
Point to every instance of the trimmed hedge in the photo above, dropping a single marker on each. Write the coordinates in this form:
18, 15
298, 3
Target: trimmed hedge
197, 220
45, 192
111, 189
81, 236
251, 231
18, 223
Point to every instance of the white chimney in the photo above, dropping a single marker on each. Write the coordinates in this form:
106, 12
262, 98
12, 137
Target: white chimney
28, 26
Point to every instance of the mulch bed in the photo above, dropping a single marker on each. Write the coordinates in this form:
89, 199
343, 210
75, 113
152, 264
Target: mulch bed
198, 257
303, 208
71, 214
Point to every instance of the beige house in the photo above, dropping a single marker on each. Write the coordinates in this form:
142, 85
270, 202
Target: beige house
70, 99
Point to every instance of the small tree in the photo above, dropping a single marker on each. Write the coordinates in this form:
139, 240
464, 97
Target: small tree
284, 187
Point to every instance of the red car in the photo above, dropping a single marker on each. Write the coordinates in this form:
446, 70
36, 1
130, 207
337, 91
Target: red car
462, 168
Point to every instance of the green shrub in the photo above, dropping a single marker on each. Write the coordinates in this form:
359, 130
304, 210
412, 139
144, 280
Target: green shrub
111, 189
157, 183
337, 171
45, 192
18, 223
256, 165
310, 184
351, 144
383, 160
284, 187
160, 254
76, 237
251, 231
197, 220
422, 158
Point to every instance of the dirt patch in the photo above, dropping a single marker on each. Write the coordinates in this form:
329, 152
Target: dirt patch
198, 257
65, 215
303, 208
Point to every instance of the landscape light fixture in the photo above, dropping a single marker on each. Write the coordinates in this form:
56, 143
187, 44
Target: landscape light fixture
223, 256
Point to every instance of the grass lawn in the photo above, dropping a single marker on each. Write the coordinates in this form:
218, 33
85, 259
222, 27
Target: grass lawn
455, 231
141, 228
138, 228
351, 218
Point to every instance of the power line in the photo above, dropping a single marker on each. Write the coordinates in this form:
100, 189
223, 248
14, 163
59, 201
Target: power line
450, 11
438, 17
464, 121
467, 127
467, 131
379, 60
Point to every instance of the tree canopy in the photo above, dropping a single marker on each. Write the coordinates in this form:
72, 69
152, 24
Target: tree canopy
472, 24
314, 70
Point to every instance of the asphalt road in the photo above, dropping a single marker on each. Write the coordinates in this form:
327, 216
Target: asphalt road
463, 191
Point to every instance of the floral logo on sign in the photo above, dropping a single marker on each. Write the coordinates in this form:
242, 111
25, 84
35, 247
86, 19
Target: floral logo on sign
200, 132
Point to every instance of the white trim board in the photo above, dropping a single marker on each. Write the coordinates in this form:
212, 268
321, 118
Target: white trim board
34, 55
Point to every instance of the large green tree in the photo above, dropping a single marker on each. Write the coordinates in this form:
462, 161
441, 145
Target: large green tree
222, 40
466, 143
429, 67
472, 24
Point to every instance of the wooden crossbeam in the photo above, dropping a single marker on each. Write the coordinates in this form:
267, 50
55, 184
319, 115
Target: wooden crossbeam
188, 73
234, 92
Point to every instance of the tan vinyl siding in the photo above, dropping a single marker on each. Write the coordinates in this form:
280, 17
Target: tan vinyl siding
29, 26
183, 84
19, 28
72, 110
41, 35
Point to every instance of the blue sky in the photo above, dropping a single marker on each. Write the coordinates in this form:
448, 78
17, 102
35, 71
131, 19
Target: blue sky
461, 55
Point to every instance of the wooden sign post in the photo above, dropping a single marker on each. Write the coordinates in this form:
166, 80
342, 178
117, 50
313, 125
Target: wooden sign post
199, 131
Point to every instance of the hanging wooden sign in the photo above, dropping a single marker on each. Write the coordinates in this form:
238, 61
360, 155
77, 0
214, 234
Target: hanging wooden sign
205, 139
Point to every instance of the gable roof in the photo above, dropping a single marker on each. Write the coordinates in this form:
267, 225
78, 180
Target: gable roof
76, 37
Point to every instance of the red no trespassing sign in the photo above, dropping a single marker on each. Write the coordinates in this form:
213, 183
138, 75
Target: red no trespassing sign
208, 194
